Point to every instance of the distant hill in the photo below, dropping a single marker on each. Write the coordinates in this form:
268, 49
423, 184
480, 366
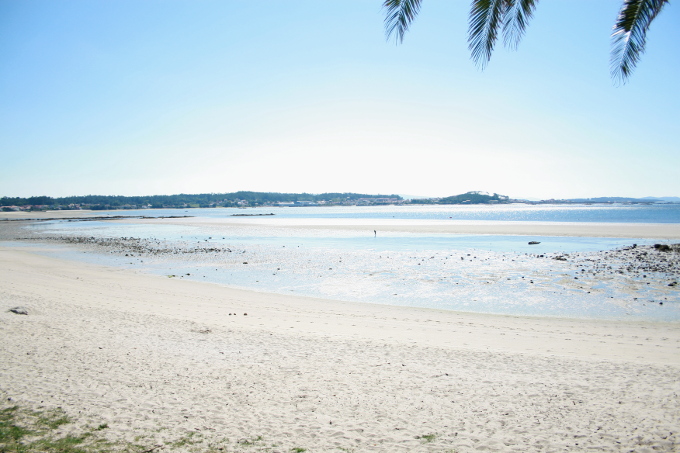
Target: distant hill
206, 200
475, 198
666, 199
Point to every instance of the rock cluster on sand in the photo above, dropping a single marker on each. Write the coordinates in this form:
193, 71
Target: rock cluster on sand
634, 261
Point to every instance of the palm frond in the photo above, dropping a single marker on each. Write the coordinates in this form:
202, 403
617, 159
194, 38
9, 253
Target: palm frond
516, 21
629, 34
398, 17
486, 19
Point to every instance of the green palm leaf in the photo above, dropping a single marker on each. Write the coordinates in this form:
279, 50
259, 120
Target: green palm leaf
486, 20
398, 17
516, 21
489, 17
629, 35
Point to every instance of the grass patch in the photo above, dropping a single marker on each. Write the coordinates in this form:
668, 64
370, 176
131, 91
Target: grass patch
46, 431
26, 431
52, 419
427, 438
70, 444
10, 432
188, 439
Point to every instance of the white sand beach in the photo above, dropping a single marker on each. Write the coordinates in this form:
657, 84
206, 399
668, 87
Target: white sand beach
157, 358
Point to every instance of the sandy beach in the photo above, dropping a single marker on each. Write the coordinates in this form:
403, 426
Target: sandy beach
159, 359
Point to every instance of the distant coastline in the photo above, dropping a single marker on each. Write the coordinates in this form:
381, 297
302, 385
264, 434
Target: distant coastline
275, 199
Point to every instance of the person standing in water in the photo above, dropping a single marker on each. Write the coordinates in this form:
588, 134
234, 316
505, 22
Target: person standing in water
375, 233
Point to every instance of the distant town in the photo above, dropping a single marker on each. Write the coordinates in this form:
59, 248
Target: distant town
273, 199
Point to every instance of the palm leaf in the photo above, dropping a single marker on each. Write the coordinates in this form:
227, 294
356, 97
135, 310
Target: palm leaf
398, 17
629, 34
517, 19
486, 19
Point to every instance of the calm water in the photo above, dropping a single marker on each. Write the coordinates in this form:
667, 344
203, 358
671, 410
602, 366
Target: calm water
667, 213
478, 273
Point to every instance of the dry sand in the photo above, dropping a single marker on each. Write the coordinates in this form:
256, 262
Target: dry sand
157, 358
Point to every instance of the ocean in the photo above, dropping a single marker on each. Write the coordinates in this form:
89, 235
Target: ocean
614, 213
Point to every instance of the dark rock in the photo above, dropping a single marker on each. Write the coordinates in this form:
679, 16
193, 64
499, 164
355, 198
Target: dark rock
19, 310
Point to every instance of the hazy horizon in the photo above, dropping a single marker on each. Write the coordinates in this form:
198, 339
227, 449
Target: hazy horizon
404, 196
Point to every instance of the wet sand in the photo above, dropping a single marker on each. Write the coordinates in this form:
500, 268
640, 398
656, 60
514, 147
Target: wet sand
585, 229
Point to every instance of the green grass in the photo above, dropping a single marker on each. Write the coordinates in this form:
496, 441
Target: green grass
53, 419
70, 444
427, 438
26, 431
188, 439
9, 431
46, 431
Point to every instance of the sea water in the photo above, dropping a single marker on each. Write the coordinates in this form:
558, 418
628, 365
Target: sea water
478, 273
601, 213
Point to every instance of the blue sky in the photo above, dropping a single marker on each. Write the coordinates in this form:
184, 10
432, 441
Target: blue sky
161, 97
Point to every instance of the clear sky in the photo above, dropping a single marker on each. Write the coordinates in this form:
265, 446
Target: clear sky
130, 97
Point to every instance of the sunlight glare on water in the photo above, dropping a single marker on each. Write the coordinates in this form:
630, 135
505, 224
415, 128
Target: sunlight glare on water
479, 273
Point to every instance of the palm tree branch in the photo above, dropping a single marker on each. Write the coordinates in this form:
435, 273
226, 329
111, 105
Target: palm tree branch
629, 34
399, 14
517, 19
486, 19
